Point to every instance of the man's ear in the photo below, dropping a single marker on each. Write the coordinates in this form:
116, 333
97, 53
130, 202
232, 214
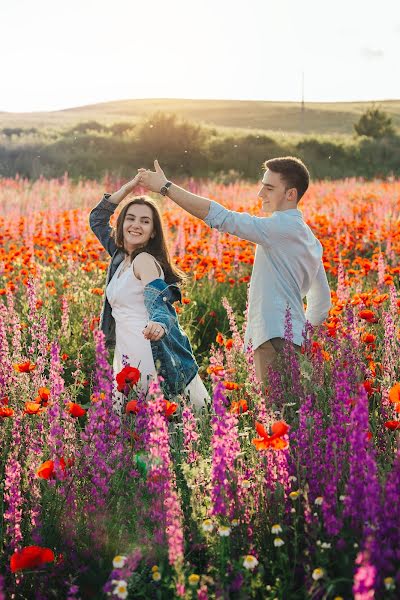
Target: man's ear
292, 195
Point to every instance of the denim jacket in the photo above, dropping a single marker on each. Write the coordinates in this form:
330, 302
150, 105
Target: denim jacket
173, 356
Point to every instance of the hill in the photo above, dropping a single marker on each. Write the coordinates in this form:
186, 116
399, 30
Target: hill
283, 117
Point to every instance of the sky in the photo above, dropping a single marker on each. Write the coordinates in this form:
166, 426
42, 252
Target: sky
56, 55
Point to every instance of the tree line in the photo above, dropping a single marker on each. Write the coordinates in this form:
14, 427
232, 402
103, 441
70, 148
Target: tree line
91, 150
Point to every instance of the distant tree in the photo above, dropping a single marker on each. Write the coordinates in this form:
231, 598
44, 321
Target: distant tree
121, 127
84, 127
374, 123
18, 131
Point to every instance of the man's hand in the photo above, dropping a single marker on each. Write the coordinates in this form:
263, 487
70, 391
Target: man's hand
152, 180
153, 331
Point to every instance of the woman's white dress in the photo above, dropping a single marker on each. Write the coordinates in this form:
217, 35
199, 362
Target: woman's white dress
126, 296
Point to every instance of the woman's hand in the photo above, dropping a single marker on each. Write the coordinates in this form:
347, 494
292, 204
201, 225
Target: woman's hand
126, 189
153, 331
130, 186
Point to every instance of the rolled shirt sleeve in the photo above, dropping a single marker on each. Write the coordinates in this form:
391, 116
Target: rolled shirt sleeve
318, 298
243, 225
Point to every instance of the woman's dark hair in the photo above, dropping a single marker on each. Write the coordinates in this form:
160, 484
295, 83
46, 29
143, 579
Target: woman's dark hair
156, 246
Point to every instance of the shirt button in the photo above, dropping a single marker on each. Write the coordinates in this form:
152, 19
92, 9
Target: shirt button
165, 298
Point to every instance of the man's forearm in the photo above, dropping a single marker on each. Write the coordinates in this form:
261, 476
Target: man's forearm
193, 204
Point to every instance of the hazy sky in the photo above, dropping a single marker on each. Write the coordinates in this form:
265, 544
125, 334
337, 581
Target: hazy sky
61, 54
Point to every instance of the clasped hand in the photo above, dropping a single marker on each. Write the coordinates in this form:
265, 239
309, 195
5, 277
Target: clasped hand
153, 331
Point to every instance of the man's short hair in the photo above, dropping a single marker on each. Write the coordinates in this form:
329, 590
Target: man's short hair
292, 171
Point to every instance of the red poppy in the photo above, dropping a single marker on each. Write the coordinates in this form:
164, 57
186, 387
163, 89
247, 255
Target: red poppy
229, 344
239, 407
369, 338
64, 356
75, 410
368, 315
274, 441
30, 557
392, 425
46, 470
219, 339
6, 411
169, 408
132, 407
127, 378
25, 367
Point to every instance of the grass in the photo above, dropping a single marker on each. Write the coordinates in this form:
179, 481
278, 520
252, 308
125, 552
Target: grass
284, 117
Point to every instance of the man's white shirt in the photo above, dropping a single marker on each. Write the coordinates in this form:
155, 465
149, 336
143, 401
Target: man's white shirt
287, 268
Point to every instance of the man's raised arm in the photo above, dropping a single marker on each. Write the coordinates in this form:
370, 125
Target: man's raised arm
155, 180
245, 226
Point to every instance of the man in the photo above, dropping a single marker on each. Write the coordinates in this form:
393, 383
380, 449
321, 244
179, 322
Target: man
288, 259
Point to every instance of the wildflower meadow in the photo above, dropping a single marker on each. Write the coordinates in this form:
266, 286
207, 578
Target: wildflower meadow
289, 491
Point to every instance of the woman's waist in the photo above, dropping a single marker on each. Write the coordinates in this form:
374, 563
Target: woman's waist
125, 318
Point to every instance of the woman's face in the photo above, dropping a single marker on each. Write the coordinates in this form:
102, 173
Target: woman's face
138, 226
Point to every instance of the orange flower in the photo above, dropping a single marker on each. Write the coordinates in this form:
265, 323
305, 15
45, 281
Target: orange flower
219, 339
230, 385
239, 407
25, 367
169, 408
380, 298
64, 356
6, 411
369, 338
44, 395
229, 344
32, 408
97, 291
394, 394
30, 557
274, 441
75, 410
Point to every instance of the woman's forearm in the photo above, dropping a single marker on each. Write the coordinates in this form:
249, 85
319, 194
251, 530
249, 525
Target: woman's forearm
118, 196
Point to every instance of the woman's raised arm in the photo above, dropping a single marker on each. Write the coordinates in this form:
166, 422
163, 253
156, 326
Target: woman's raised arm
99, 218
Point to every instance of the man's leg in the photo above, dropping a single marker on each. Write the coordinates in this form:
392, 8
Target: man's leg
264, 356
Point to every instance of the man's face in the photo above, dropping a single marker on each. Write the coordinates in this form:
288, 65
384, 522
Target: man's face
273, 192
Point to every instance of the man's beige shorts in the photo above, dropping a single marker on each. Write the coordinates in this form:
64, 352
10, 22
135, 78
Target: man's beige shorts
268, 355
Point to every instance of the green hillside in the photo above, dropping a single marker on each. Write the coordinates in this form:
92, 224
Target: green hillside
284, 117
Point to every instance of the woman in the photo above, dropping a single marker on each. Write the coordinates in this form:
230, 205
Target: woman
138, 317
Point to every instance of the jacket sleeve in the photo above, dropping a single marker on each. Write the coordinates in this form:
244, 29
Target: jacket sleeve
162, 315
99, 221
318, 298
247, 227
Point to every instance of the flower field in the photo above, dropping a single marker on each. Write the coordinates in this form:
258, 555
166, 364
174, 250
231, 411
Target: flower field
289, 492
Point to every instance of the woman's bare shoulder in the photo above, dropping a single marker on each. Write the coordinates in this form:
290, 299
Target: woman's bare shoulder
145, 263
